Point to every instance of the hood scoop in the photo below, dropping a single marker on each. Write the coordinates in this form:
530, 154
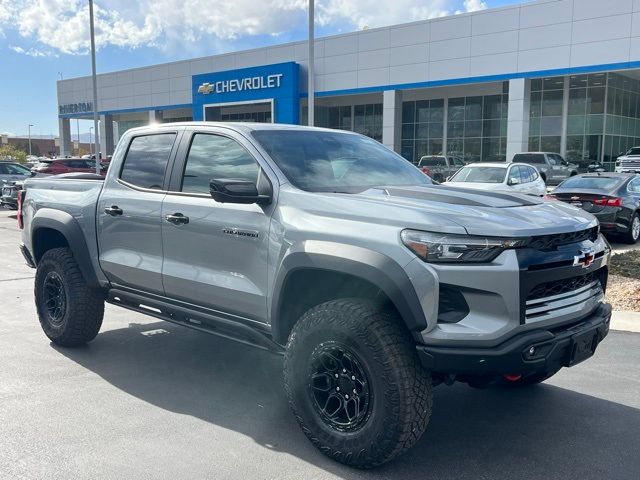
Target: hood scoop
461, 196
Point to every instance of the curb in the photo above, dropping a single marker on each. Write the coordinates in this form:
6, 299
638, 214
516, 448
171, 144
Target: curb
625, 321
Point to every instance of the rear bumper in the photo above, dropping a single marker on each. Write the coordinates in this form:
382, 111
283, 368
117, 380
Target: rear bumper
554, 348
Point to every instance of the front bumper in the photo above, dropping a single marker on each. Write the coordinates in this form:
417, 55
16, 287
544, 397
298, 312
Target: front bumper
554, 348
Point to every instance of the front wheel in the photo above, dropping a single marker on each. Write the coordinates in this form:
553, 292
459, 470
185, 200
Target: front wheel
70, 312
355, 384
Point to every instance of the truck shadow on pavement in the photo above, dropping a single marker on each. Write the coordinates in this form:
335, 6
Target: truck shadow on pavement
541, 432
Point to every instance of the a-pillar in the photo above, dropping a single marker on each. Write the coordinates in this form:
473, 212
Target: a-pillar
392, 119
106, 135
64, 126
518, 118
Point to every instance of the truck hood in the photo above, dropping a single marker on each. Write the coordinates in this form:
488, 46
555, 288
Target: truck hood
480, 212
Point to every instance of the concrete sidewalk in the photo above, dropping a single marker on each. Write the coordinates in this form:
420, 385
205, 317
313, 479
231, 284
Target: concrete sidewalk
626, 321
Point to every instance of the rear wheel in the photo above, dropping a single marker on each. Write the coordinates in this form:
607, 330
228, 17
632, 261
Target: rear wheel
633, 235
70, 312
355, 383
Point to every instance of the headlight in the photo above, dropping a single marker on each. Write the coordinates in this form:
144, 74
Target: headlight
445, 248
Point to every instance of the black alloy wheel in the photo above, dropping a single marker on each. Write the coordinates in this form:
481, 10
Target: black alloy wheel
339, 387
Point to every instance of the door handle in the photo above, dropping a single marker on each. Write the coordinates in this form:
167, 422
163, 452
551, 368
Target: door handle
177, 219
113, 210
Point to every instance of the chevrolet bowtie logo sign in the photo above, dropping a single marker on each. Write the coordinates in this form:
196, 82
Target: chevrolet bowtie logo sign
242, 84
205, 88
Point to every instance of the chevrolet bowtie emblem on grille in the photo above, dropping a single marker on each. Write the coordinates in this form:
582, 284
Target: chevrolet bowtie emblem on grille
205, 88
573, 199
585, 259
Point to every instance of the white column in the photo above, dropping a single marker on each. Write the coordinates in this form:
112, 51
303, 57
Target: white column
392, 119
64, 126
106, 135
518, 118
152, 116
565, 117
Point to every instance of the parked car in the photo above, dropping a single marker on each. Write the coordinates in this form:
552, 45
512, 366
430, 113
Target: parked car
614, 198
65, 165
439, 167
552, 167
505, 177
629, 162
13, 171
374, 283
9, 193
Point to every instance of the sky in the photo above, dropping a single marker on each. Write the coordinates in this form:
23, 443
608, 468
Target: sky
42, 41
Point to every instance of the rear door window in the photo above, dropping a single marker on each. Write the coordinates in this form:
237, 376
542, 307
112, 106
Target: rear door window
146, 160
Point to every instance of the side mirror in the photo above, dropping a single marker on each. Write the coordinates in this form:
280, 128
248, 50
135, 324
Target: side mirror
238, 191
513, 181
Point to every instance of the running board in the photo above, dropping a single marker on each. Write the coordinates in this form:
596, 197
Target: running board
196, 320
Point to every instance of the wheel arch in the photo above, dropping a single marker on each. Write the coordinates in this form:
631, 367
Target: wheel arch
53, 229
308, 278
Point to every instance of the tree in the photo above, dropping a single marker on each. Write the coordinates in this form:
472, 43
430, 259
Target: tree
9, 152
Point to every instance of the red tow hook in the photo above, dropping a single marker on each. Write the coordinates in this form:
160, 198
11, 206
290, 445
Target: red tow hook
512, 377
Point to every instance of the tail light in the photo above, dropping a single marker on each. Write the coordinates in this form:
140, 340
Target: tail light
608, 202
20, 198
425, 170
550, 197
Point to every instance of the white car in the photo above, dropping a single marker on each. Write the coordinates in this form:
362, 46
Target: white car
502, 177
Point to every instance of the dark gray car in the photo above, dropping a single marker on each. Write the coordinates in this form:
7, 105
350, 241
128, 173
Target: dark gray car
552, 167
440, 167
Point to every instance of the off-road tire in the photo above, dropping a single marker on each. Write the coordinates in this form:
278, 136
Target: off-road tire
83, 306
629, 236
401, 392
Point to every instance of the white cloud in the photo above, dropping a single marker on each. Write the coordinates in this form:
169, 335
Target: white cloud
34, 52
474, 5
62, 25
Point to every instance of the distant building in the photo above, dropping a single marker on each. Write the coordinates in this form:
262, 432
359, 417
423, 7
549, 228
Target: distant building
554, 75
47, 147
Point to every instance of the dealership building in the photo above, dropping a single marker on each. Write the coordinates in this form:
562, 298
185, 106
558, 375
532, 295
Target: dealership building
552, 75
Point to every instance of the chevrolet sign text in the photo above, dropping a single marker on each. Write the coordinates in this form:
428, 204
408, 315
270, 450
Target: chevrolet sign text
242, 84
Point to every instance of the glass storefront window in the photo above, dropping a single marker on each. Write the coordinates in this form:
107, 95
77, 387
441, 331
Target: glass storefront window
422, 128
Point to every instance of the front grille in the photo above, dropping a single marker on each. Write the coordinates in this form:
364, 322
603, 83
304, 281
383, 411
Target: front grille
561, 286
548, 242
552, 299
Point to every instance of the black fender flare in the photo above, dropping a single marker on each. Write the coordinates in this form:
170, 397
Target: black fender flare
374, 267
69, 228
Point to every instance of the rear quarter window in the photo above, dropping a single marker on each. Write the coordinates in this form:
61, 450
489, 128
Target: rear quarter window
146, 160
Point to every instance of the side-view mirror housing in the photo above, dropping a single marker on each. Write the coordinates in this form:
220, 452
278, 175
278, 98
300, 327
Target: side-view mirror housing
513, 181
239, 191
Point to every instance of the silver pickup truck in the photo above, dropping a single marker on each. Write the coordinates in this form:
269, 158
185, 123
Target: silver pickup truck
324, 246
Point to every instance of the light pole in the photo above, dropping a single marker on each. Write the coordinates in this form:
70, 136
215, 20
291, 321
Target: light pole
95, 84
90, 144
30, 125
311, 70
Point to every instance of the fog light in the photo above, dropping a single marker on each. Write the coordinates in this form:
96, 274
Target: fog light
532, 351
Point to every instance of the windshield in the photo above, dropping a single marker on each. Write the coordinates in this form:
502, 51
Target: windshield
591, 183
480, 175
319, 161
634, 151
15, 169
528, 158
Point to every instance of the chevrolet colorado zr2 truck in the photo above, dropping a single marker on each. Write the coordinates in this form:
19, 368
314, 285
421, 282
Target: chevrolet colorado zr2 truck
374, 283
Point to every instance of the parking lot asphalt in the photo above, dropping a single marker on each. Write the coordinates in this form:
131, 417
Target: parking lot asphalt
148, 399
